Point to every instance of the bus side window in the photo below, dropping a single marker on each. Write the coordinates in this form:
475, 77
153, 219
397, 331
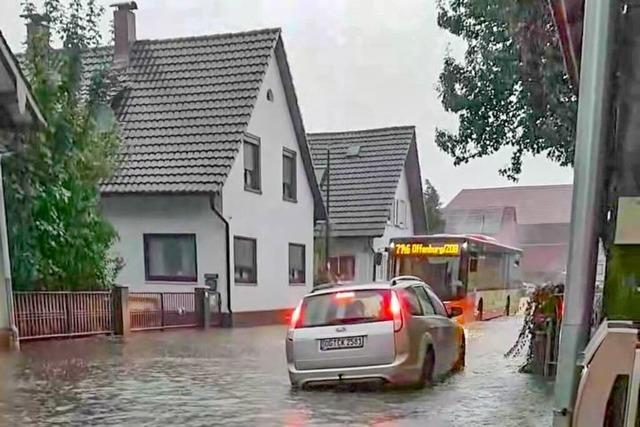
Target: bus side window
473, 264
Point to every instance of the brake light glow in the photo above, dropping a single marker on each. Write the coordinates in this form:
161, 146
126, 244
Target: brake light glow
296, 316
345, 295
396, 311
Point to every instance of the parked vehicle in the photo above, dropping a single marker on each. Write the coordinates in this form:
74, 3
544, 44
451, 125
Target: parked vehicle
398, 332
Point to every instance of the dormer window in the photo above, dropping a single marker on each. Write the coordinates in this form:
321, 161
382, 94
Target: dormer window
269, 95
353, 151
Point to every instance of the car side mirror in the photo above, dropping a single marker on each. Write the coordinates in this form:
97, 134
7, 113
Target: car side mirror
455, 311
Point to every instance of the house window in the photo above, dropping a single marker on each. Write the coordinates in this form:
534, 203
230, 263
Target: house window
170, 257
244, 250
296, 263
289, 191
251, 163
343, 267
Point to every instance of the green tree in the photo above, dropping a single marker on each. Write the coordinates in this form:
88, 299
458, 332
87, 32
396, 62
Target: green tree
58, 239
510, 90
433, 208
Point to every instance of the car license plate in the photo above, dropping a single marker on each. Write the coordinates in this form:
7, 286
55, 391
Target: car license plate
341, 343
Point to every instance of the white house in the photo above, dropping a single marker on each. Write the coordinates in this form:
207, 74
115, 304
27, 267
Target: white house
375, 193
18, 112
215, 174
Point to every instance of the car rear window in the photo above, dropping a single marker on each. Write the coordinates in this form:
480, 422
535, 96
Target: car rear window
346, 307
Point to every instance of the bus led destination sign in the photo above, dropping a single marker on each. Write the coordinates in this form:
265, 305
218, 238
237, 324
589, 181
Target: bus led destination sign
449, 249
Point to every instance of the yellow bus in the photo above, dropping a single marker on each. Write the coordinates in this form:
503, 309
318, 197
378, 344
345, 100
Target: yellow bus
473, 272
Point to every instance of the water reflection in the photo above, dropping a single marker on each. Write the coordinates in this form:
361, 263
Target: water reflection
238, 377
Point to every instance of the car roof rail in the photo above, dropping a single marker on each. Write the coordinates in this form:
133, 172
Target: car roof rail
397, 279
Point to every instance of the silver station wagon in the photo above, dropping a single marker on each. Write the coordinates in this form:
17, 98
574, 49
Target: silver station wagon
397, 332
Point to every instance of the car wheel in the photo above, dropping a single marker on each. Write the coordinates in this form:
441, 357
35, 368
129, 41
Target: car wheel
462, 356
428, 365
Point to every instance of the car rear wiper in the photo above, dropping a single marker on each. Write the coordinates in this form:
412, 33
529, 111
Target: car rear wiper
352, 320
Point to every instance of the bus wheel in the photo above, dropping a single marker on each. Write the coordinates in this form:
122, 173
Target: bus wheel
479, 309
507, 309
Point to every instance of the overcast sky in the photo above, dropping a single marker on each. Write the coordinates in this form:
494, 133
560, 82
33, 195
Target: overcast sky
355, 63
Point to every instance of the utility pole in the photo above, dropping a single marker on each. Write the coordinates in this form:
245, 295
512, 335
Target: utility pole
594, 109
327, 231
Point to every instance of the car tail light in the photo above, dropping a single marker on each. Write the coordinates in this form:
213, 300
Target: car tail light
296, 317
396, 311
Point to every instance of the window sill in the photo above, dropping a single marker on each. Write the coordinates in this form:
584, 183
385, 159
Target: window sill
290, 200
250, 284
301, 284
253, 190
171, 282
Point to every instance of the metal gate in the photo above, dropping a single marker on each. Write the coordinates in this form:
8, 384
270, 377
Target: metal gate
161, 310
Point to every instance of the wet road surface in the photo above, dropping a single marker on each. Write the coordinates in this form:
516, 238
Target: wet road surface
237, 377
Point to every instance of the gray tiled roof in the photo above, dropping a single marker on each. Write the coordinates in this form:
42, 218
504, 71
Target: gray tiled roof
184, 106
362, 187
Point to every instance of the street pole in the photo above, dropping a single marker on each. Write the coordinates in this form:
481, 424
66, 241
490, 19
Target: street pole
327, 203
591, 136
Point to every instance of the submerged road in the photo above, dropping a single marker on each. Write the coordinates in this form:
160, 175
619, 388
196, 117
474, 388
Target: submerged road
237, 377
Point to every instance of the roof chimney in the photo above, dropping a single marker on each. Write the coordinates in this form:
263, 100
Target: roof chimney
124, 23
37, 32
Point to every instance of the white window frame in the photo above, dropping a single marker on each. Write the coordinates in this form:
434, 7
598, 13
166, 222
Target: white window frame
400, 213
253, 142
151, 276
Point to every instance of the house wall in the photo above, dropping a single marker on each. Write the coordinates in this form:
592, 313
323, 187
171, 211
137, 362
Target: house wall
360, 248
363, 248
266, 217
508, 233
391, 231
545, 251
4, 303
5, 266
133, 216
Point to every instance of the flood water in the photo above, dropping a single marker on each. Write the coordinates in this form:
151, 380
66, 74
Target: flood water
237, 377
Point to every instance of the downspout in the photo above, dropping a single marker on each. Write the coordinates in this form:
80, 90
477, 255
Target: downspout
227, 254
373, 251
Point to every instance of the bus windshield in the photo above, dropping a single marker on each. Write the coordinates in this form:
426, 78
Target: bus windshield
441, 273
